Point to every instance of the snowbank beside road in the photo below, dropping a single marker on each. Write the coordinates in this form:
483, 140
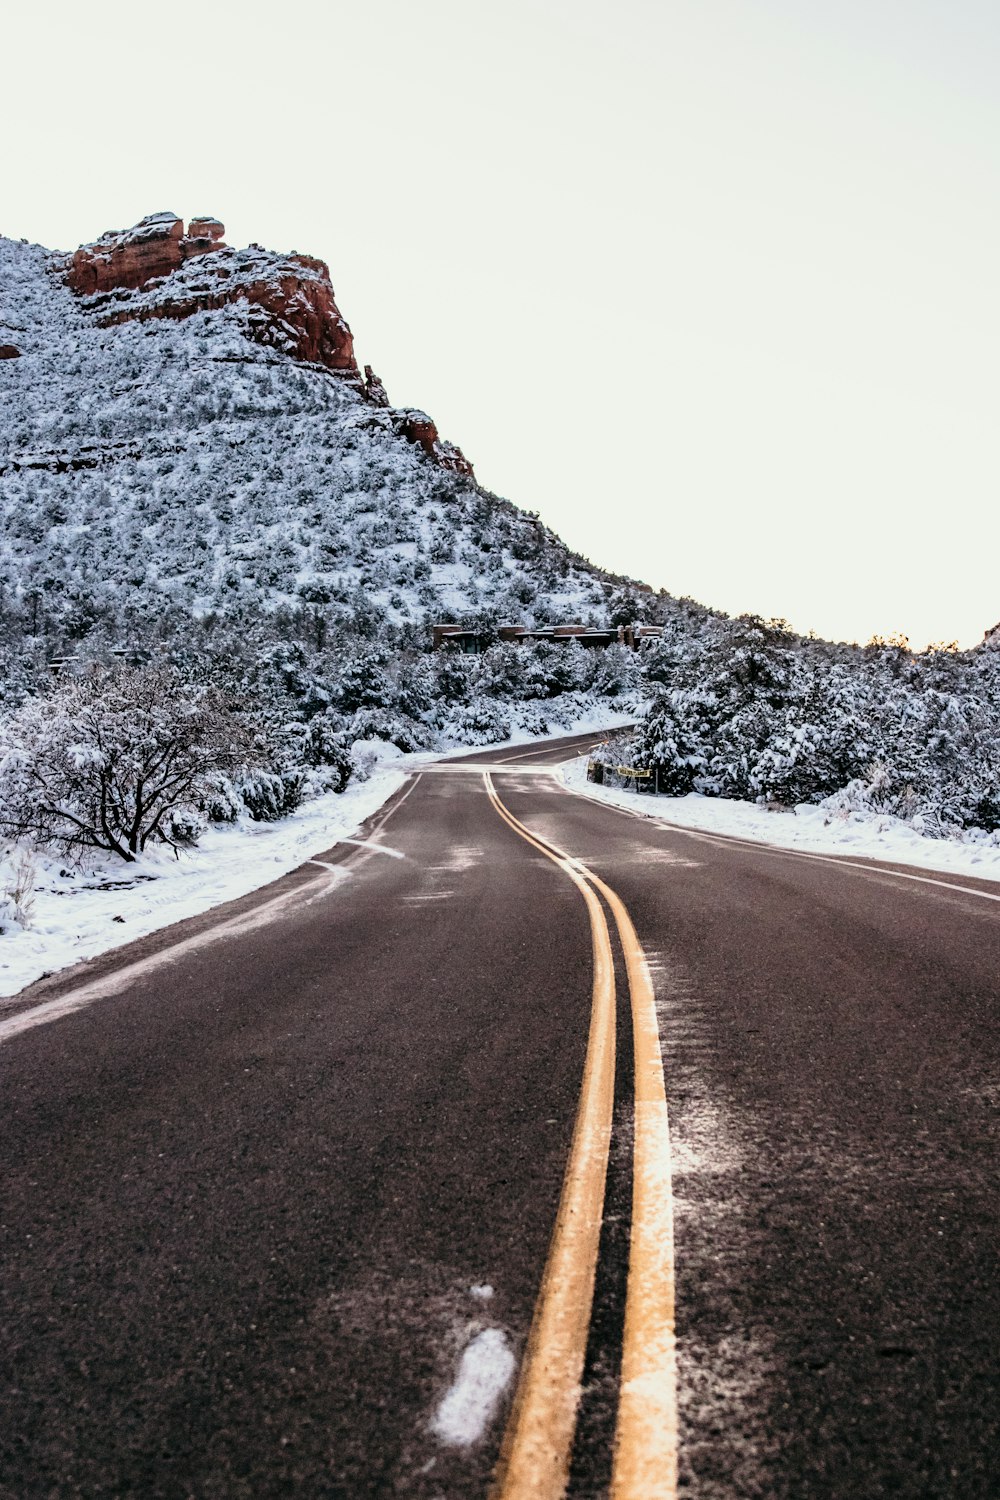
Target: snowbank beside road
813, 829
77, 915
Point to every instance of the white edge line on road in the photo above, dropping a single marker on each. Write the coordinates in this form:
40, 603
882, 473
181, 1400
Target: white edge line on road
840, 861
118, 980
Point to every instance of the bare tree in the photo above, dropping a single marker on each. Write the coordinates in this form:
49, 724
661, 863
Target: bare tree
104, 760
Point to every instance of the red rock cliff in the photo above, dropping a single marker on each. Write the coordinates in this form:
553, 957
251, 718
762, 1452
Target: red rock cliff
131, 258
417, 427
153, 263
157, 270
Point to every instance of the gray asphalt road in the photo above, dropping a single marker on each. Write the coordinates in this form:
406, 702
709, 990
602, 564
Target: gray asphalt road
253, 1192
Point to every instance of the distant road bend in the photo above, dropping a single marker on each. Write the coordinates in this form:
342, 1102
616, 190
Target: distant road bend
363, 1185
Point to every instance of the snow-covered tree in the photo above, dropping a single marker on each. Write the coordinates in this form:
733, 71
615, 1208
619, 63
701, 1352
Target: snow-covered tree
106, 761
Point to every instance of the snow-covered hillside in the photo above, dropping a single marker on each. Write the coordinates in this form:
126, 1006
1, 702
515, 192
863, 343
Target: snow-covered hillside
179, 464
221, 555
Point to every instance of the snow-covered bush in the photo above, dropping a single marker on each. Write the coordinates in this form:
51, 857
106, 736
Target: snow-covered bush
389, 725
747, 709
362, 682
613, 671
531, 719
108, 760
184, 827
478, 723
270, 795
674, 740
326, 746
220, 802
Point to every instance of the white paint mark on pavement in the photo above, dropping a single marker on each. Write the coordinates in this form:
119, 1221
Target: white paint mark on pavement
503, 768
485, 1370
119, 980
463, 857
371, 845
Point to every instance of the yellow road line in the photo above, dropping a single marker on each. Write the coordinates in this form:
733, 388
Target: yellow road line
535, 1454
645, 1461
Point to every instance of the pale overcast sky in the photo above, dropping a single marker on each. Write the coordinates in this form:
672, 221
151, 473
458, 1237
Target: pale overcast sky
710, 284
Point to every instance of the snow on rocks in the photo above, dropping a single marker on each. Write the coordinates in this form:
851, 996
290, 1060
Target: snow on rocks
157, 270
240, 463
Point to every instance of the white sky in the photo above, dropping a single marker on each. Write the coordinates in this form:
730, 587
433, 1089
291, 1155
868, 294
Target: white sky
710, 284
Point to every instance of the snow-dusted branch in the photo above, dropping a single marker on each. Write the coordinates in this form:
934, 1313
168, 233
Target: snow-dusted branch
105, 759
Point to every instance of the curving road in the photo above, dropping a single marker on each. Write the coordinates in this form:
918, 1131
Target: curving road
269, 1175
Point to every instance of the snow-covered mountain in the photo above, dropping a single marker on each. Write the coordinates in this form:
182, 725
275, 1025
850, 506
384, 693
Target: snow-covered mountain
222, 552
184, 432
232, 549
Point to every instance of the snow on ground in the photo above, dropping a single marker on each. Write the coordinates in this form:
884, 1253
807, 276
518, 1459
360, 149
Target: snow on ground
76, 915
814, 829
484, 1372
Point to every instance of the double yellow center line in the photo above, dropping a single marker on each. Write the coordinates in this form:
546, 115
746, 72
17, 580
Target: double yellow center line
535, 1454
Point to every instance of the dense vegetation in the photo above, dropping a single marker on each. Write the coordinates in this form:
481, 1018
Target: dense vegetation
745, 708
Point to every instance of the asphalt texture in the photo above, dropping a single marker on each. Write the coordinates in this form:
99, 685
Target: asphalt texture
252, 1191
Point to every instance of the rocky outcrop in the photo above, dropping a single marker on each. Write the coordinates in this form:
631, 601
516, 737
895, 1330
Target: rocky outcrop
207, 228
290, 298
417, 427
9, 351
450, 456
374, 389
157, 270
132, 258
90, 456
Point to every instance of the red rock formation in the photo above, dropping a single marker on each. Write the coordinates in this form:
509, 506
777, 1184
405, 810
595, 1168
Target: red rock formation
132, 258
450, 456
9, 351
293, 290
207, 228
301, 316
417, 427
374, 389
128, 257
147, 272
